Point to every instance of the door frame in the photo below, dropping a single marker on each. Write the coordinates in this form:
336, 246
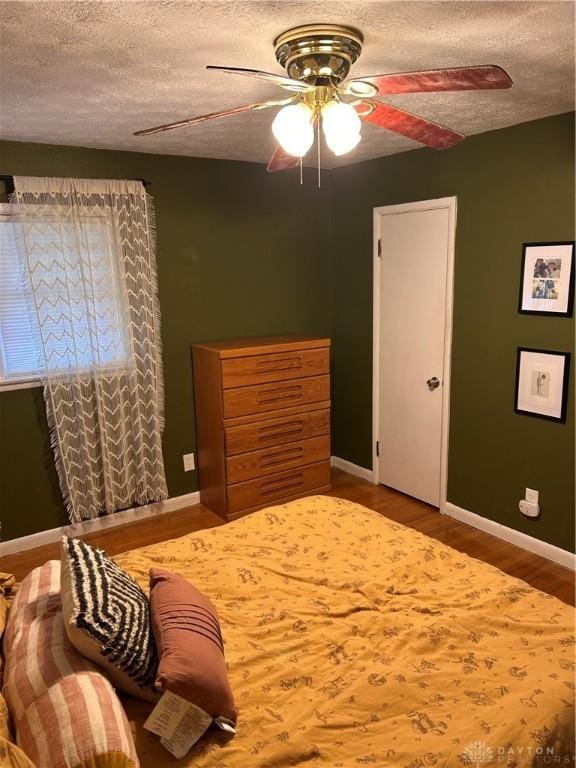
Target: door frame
449, 203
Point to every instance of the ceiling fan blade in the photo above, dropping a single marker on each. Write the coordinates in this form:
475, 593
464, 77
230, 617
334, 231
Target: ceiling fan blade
463, 79
413, 127
282, 161
281, 80
212, 116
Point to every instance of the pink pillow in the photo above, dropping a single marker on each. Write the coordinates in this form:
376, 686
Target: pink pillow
189, 643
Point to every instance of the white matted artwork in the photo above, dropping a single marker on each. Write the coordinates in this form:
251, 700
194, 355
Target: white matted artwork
542, 383
547, 285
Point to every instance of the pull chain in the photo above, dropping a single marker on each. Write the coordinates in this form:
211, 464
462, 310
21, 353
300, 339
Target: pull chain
301, 181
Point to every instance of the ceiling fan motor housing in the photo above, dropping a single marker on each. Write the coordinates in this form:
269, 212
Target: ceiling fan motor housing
318, 53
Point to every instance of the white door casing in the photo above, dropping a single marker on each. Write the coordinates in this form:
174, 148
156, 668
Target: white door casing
412, 325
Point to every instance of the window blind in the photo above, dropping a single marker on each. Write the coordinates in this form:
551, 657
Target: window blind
19, 355
77, 298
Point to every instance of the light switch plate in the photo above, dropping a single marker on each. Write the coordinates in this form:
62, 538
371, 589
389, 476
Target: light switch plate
189, 463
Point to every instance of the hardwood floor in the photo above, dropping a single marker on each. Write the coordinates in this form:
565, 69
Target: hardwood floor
537, 571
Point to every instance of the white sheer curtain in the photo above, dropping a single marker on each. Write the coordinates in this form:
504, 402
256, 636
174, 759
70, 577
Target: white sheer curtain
88, 257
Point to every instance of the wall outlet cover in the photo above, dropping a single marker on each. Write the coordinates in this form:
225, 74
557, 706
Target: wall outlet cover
189, 463
532, 495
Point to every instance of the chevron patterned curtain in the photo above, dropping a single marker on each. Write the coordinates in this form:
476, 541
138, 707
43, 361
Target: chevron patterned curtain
88, 257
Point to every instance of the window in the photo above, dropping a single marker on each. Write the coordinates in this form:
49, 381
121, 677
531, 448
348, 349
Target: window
73, 316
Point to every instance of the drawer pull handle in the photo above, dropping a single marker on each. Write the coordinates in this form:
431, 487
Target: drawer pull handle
275, 485
279, 365
288, 393
282, 488
288, 424
281, 456
277, 435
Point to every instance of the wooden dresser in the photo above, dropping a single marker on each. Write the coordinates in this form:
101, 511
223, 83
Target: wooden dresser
263, 421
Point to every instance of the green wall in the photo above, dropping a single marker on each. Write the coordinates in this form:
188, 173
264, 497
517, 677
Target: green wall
513, 186
244, 253
240, 253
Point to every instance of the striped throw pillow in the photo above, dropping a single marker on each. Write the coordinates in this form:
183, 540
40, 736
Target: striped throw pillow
65, 711
107, 618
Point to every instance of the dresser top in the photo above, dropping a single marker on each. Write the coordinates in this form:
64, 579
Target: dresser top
263, 345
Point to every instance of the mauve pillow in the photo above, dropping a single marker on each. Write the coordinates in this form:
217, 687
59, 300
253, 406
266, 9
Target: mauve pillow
189, 643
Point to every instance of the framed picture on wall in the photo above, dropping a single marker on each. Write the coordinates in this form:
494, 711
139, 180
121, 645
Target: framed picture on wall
547, 285
542, 383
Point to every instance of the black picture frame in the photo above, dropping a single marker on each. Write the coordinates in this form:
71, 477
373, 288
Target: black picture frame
542, 312
565, 381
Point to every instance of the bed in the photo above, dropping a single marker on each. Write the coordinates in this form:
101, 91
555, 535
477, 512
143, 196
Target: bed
355, 641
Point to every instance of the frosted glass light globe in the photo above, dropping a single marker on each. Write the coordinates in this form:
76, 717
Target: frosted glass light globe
338, 117
341, 125
342, 143
293, 129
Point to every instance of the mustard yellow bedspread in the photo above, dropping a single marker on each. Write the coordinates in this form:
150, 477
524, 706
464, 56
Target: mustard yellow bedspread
353, 641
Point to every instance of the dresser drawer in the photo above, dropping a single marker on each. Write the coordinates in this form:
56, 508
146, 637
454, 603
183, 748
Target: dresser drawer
267, 490
280, 366
245, 466
270, 397
284, 429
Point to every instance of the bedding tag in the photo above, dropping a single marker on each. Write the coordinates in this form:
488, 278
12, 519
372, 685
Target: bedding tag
178, 722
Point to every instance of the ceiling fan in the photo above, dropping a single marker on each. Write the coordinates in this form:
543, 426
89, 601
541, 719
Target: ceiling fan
317, 59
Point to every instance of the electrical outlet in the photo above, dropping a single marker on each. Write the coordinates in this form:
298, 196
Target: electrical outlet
189, 463
532, 495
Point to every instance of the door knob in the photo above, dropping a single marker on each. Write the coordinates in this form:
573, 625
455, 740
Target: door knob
433, 383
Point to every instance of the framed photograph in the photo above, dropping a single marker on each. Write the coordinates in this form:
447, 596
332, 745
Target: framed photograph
547, 285
542, 383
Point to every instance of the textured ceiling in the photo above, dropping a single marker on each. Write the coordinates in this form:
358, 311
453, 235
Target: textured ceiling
90, 73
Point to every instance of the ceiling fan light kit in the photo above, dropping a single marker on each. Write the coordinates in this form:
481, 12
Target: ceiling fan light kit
341, 125
317, 59
293, 129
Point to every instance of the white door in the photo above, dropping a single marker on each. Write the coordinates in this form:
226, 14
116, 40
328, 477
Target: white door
412, 272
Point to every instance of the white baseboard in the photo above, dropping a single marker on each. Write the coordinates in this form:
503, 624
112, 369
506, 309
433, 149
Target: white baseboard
519, 539
15, 546
352, 469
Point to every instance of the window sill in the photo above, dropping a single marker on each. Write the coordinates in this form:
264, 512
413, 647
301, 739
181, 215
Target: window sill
8, 386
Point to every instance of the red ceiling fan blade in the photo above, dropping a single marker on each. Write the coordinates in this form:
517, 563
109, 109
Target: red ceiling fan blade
411, 126
282, 161
281, 80
464, 79
211, 116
